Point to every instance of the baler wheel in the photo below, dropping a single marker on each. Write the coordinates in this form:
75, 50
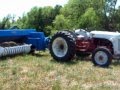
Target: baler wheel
62, 46
101, 57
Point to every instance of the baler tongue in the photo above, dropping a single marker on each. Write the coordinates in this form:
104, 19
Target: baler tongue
4, 51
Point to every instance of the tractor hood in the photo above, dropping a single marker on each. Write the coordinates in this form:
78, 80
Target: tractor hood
105, 34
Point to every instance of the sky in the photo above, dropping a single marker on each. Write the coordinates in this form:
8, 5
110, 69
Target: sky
118, 3
18, 7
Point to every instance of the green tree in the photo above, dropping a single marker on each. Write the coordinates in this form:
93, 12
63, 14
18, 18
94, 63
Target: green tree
61, 23
73, 11
57, 9
89, 19
116, 18
21, 22
5, 23
33, 18
103, 9
39, 18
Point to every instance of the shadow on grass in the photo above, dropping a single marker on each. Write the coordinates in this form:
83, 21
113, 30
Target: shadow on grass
88, 59
40, 53
10, 56
72, 62
83, 59
75, 60
104, 67
37, 55
22, 55
116, 62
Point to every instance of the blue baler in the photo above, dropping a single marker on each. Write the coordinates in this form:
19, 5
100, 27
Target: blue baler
25, 39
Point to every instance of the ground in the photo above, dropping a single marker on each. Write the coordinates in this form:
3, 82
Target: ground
41, 72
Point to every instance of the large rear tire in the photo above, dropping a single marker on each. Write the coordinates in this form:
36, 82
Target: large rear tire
102, 57
62, 46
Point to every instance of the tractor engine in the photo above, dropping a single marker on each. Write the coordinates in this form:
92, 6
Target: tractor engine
84, 41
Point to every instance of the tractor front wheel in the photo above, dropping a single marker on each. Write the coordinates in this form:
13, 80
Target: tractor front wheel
101, 57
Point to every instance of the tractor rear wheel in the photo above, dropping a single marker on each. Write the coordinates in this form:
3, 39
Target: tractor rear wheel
101, 57
62, 46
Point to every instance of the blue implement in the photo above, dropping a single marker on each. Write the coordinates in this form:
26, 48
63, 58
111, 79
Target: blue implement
26, 36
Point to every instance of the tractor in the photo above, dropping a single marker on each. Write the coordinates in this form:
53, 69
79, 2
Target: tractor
102, 46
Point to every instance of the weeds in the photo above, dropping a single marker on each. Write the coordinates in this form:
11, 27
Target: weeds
40, 72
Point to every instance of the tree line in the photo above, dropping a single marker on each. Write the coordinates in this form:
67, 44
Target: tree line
85, 14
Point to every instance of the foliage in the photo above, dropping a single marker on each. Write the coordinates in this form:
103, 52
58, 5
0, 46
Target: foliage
90, 14
116, 18
47, 30
73, 11
39, 18
61, 23
76, 11
89, 19
5, 23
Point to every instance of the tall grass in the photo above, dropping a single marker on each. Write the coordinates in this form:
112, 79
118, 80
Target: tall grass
41, 72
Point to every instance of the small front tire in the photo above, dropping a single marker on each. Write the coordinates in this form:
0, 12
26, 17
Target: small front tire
101, 57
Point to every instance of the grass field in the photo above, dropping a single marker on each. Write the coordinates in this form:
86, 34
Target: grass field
41, 72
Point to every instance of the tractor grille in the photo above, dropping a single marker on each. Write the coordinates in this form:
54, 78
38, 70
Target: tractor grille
119, 44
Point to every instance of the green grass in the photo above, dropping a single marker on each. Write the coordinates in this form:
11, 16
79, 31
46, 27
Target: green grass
41, 72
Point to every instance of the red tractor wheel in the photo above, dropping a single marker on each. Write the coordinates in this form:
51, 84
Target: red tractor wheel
101, 57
